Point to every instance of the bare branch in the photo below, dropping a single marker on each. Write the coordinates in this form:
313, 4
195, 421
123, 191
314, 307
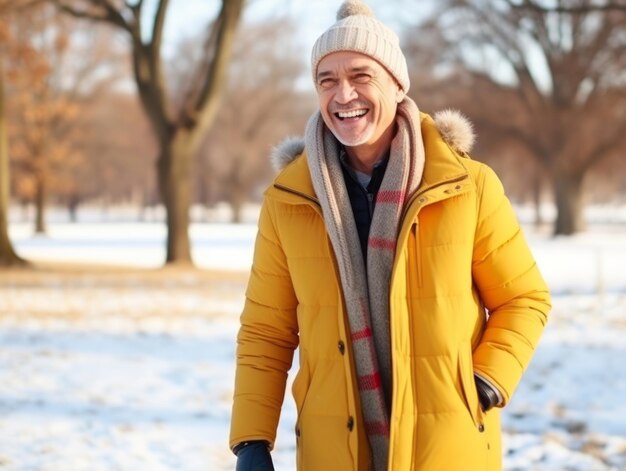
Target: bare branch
113, 13
157, 27
500, 37
157, 79
203, 112
198, 79
81, 14
10, 5
227, 21
109, 15
616, 5
135, 9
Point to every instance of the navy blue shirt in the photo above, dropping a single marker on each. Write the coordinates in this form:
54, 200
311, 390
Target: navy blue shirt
362, 198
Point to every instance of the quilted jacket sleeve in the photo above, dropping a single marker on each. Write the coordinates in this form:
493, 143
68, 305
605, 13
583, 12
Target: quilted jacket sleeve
510, 286
267, 338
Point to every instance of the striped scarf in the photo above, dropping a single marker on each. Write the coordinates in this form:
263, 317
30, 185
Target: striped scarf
366, 292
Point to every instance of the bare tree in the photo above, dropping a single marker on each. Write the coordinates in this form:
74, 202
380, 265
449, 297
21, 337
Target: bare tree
261, 106
8, 256
553, 81
179, 130
57, 69
7, 252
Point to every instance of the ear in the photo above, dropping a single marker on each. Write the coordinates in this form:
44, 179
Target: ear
400, 95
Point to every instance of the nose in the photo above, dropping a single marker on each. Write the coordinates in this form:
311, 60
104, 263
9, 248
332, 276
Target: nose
345, 92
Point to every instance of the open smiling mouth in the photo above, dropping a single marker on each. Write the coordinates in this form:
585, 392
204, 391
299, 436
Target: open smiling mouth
355, 114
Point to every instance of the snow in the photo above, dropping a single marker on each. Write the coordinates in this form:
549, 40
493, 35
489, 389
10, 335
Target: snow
216, 246
109, 368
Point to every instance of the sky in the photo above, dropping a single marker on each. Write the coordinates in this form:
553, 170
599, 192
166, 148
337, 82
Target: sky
186, 18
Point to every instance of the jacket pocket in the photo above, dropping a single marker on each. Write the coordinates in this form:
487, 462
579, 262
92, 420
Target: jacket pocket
414, 265
299, 390
300, 386
468, 384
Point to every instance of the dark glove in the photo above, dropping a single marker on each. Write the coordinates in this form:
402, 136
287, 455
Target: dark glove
253, 456
487, 397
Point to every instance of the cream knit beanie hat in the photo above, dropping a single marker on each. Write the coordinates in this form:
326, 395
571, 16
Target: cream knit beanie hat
357, 30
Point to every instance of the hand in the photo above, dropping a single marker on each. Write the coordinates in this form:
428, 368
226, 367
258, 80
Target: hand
254, 456
487, 397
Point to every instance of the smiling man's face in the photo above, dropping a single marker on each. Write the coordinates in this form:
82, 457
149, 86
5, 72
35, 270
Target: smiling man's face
358, 99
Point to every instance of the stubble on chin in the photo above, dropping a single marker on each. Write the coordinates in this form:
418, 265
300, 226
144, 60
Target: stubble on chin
354, 141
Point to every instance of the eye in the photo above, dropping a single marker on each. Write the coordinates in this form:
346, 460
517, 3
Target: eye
362, 78
326, 83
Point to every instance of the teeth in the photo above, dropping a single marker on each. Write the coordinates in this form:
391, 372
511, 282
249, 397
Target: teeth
351, 114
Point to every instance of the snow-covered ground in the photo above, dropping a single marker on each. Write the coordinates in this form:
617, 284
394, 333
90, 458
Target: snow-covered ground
132, 368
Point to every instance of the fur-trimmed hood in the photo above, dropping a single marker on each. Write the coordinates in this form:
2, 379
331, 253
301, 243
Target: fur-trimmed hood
455, 129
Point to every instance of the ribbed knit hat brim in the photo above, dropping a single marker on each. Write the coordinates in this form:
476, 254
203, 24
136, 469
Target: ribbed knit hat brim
362, 33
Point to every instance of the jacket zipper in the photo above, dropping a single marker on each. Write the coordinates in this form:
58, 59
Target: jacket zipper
417, 229
404, 211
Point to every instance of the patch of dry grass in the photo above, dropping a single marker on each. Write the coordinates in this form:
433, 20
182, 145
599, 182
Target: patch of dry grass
75, 291
77, 273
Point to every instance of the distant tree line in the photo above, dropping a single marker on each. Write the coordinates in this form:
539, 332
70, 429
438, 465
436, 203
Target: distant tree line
544, 83
93, 112
156, 145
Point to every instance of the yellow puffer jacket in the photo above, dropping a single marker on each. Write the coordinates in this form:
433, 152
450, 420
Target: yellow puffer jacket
460, 254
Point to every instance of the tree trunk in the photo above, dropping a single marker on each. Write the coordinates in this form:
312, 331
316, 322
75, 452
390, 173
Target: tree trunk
72, 207
24, 210
7, 252
174, 170
179, 133
40, 205
537, 186
236, 189
569, 203
236, 205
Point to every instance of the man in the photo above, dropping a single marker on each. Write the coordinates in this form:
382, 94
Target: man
397, 266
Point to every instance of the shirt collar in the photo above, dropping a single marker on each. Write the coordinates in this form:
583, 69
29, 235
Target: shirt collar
364, 179
343, 158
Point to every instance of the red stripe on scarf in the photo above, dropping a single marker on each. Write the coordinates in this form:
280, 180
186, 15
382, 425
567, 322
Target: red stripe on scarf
370, 382
390, 196
377, 243
377, 428
362, 334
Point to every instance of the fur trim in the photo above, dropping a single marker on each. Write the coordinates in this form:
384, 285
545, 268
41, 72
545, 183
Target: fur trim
456, 130
453, 126
285, 152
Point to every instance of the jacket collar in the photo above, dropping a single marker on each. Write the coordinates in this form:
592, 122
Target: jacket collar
447, 140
